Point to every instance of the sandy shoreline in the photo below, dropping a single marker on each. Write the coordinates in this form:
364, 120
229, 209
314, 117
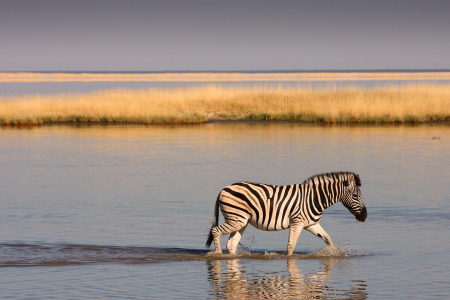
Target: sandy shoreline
217, 77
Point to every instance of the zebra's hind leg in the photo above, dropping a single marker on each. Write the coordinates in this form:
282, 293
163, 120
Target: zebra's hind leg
230, 226
234, 239
216, 233
317, 230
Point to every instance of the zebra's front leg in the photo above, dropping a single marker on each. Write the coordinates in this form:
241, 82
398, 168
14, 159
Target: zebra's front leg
294, 233
234, 239
317, 230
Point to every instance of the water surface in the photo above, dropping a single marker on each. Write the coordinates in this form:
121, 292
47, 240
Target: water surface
31, 88
124, 210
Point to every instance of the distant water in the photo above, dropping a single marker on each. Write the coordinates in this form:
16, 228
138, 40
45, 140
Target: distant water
27, 88
123, 211
30, 88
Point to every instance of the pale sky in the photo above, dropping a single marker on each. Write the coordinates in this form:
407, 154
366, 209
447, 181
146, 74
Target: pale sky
227, 35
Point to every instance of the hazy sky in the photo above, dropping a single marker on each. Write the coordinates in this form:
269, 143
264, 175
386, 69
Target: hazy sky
223, 35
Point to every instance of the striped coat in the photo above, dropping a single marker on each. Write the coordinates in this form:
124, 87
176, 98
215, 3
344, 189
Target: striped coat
298, 206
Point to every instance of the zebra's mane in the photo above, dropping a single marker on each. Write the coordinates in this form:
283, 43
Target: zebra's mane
333, 175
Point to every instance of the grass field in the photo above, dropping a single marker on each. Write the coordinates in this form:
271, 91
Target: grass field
409, 103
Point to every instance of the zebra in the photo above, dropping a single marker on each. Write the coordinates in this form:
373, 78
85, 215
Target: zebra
297, 207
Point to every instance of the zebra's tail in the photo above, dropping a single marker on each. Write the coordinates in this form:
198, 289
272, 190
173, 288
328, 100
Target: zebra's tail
214, 223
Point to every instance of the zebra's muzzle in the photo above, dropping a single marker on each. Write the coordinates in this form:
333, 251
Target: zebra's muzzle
363, 215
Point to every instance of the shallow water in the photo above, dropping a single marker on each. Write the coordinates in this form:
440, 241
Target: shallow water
124, 210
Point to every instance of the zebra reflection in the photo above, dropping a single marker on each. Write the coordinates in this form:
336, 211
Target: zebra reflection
229, 280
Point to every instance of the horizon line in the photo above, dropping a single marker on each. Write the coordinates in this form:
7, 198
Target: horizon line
243, 71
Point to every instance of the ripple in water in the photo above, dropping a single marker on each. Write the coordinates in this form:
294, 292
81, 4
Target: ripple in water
341, 249
21, 255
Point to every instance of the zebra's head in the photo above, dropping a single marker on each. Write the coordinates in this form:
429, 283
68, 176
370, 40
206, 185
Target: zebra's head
352, 197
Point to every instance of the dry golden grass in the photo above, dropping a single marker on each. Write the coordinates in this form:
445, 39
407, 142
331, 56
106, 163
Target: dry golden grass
411, 103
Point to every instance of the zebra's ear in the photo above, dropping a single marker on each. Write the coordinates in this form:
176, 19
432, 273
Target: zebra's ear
351, 179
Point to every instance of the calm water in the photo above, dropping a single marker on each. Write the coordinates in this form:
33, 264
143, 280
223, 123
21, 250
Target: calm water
124, 211
30, 88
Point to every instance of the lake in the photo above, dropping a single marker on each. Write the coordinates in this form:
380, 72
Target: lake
8, 89
103, 211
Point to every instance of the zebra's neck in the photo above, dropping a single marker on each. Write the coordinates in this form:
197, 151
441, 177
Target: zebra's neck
326, 189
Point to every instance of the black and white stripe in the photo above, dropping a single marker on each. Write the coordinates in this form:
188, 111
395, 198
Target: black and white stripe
298, 206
